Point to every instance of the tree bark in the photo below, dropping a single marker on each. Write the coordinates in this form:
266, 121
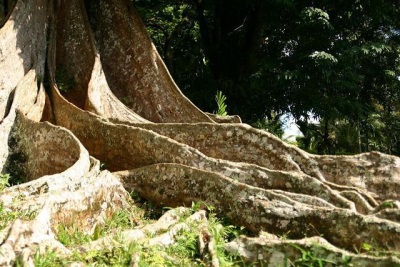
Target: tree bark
81, 82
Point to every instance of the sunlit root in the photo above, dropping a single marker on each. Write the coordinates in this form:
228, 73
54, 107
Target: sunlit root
273, 251
259, 209
24, 237
207, 245
168, 219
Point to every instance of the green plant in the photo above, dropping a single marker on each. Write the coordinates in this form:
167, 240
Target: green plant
48, 259
184, 251
122, 219
64, 82
4, 181
70, 235
310, 259
8, 215
387, 204
220, 99
272, 123
146, 208
118, 255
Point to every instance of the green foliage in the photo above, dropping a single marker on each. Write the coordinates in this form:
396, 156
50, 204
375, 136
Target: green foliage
4, 181
323, 58
48, 259
272, 124
336, 60
7, 215
329, 137
118, 255
63, 80
175, 30
184, 252
312, 15
71, 236
387, 204
220, 99
310, 258
371, 249
147, 209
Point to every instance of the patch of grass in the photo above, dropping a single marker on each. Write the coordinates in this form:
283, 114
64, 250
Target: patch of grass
4, 181
310, 259
123, 219
388, 204
224, 232
8, 215
71, 236
49, 259
119, 255
184, 252
373, 250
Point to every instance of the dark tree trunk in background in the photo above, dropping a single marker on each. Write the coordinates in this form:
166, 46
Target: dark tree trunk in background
232, 35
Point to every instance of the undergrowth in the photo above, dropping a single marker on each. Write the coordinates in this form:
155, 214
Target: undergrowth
184, 252
8, 215
64, 82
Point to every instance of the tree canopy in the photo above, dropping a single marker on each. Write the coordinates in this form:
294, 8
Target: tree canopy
337, 61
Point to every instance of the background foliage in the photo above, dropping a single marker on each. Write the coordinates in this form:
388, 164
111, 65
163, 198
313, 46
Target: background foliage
336, 62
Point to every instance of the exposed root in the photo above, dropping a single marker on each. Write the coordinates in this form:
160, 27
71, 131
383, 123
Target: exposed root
207, 246
257, 208
169, 237
163, 233
135, 259
128, 236
274, 251
23, 237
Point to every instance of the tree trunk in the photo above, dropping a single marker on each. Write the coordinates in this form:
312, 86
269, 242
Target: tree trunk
81, 82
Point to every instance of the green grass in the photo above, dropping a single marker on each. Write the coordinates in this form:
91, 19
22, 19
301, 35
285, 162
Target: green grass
183, 253
4, 181
9, 215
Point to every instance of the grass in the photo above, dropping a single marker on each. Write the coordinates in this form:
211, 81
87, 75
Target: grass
4, 181
309, 259
8, 215
183, 253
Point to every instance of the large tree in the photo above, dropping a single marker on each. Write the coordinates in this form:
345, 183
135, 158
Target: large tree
81, 82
